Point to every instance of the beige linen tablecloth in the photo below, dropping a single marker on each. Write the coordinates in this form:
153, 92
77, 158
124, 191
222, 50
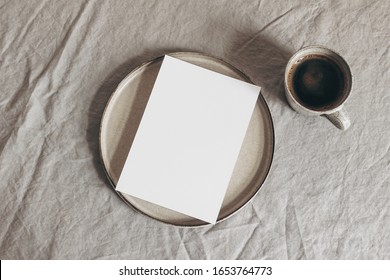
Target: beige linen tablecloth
327, 195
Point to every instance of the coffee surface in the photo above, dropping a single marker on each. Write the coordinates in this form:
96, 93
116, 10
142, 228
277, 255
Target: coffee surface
317, 82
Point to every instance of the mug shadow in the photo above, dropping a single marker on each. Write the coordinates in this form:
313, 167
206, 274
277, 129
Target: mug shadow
263, 60
101, 98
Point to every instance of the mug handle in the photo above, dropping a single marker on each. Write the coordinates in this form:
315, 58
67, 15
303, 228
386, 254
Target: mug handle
340, 119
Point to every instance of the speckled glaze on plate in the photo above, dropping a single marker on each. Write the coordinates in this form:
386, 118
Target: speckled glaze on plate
123, 114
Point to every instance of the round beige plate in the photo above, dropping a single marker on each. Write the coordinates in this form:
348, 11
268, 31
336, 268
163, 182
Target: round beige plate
123, 114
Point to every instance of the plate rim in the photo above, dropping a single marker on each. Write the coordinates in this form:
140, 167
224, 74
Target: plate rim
247, 79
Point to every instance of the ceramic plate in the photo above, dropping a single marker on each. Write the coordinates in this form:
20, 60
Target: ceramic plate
123, 114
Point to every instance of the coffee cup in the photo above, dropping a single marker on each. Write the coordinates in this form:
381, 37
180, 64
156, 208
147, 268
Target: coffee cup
318, 81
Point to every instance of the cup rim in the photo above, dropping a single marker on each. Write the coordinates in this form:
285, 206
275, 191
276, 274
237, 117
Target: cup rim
339, 60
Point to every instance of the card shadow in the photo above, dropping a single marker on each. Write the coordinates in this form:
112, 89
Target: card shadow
262, 59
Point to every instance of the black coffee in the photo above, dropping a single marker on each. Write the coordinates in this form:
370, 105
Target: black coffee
317, 82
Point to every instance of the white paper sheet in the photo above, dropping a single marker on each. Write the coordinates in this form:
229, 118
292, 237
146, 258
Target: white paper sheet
188, 141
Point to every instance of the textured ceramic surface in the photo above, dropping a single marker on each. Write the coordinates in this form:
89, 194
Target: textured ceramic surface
335, 112
123, 115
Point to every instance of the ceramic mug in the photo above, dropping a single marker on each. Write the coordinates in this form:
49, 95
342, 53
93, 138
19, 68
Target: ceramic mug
318, 81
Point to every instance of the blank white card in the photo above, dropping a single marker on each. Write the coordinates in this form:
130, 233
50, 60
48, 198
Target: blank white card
189, 139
